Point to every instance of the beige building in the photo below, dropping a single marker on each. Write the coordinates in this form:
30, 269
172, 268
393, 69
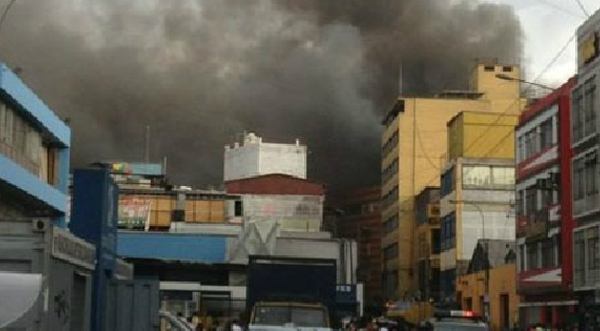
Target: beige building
413, 141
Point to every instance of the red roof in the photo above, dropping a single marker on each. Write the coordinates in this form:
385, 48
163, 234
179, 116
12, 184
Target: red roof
274, 184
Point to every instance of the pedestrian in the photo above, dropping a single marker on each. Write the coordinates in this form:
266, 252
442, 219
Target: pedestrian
235, 326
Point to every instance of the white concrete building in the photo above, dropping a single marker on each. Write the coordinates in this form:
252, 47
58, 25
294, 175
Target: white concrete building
253, 157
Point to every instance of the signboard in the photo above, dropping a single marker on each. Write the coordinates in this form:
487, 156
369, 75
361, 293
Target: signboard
134, 213
66, 246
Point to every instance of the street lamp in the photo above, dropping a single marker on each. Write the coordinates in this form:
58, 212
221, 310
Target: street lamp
512, 79
485, 251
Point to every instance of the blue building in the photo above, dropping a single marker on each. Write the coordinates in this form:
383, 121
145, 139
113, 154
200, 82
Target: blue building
34, 154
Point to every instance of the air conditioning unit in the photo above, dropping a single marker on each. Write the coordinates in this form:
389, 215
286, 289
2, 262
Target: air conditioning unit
40, 225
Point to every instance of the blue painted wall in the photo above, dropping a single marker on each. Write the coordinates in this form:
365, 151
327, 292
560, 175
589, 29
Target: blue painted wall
94, 218
18, 95
170, 246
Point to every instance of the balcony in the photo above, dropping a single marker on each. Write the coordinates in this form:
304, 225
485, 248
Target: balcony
533, 225
18, 157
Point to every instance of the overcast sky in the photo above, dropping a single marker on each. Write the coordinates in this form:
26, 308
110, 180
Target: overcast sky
548, 25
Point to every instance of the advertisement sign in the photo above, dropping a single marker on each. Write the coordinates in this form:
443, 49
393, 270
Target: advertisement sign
134, 213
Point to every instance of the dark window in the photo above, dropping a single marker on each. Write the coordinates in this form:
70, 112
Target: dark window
488, 68
447, 182
435, 237
579, 257
238, 211
546, 134
390, 144
547, 253
507, 69
590, 110
390, 252
592, 256
532, 256
578, 114
522, 257
578, 179
530, 201
390, 224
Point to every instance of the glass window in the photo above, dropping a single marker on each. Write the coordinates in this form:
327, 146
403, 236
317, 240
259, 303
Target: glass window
522, 257
503, 176
547, 253
476, 176
531, 205
447, 182
546, 134
590, 111
578, 180
390, 251
577, 114
532, 256
593, 263
591, 177
579, 255
519, 208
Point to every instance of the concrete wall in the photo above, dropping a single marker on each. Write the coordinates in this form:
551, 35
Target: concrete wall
292, 212
255, 158
502, 282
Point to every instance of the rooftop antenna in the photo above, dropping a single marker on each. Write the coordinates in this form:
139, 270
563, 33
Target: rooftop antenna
400, 80
147, 152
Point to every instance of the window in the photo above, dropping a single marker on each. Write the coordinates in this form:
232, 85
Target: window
577, 114
390, 197
593, 263
590, 111
531, 143
579, 255
447, 182
435, 238
578, 184
591, 180
507, 69
522, 257
532, 256
530, 201
476, 176
547, 253
520, 200
546, 134
390, 252
521, 148
503, 177
448, 231
390, 171
389, 145
390, 224
488, 68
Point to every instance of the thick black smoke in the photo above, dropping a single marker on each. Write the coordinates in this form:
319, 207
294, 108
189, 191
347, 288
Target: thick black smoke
199, 72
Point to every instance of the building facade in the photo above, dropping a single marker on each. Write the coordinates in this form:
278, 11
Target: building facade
413, 140
296, 204
427, 239
543, 209
34, 154
585, 170
253, 157
497, 284
361, 221
476, 192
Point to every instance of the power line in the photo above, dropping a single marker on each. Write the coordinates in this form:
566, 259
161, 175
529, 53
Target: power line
582, 8
559, 8
5, 13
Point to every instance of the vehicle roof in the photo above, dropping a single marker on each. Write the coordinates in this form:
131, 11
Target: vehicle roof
289, 304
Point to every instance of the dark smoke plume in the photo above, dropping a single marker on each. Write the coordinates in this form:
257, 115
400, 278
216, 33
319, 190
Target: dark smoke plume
198, 72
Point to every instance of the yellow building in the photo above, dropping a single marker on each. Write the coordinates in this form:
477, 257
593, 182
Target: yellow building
413, 141
477, 190
427, 240
503, 298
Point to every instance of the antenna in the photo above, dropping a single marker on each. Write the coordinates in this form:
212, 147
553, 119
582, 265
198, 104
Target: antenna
400, 80
147, 153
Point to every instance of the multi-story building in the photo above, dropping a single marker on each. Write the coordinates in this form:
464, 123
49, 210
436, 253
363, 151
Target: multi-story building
585, 166
34, 154
414, 138
361, 221
51, 266
253, 157
543, 209
476, 192
427, 239
295, 204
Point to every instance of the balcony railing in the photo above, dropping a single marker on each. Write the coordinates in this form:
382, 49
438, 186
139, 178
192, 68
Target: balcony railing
10, 152
533, 225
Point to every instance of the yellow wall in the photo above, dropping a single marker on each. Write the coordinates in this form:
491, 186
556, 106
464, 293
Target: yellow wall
422, 142
482, 135
502, 281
